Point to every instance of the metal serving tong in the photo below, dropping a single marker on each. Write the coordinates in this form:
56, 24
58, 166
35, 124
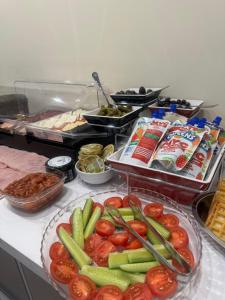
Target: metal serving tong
115, 214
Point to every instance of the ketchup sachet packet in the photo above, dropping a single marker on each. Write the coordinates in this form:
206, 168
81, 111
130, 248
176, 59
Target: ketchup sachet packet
199, 163
140, 147
178, 147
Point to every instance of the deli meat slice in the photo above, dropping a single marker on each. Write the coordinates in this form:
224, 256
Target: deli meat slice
8, 175
22, 160
15, 164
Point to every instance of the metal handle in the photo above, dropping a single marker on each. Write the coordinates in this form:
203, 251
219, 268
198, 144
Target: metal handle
96, 78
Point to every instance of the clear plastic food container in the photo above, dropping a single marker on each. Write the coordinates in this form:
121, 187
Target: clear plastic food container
38, 200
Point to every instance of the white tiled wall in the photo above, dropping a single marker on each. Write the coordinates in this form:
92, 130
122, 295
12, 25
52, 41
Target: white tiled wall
130, 42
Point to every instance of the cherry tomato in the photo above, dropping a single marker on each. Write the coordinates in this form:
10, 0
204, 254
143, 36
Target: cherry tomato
119, 239
179, 237
161, 281
134, 244
82, 288
138, 226
188, 256
58, 251
154, 210
109, 292
66, 226
63, 270
114, 201
138, 291
92, 243
132, 197
104, 227
99, 205
102, 253
71, 219
169, 220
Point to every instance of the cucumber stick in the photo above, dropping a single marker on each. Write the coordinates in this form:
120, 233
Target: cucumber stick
139, 267
80, 257
116, 259
159, 227
143, 255
78, 229
134, 277
124, 211
91, 223
87, 211
126, 219
104, 276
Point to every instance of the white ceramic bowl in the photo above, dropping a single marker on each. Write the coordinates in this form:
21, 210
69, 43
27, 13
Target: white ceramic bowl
94, 178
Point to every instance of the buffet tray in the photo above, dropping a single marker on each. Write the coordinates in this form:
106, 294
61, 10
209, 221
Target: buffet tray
93, 118
137, 99
181, 188
187, 112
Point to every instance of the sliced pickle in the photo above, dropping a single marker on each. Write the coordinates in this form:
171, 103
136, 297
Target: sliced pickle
107, 151
93, 164
91, 149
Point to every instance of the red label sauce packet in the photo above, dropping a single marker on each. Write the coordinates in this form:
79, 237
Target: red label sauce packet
178, 147
199, 163
139, 151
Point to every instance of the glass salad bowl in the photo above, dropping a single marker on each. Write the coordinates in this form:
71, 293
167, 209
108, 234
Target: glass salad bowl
185, 289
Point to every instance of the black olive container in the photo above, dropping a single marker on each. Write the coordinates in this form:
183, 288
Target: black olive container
64, 164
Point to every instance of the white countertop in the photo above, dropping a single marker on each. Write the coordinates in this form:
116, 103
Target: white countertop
21, 235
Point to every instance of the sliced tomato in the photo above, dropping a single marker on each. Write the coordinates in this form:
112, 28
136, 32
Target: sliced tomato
66, 226
63, 270
82, 288
114, 201
119, 239
91, 243
58, 251
109, 292
188, 256
71, 219
102, 253
138, 291
132, 197
105, 227
169, 220
99, 205
179, 237
138, 226
161, 281
154, 210
134, 244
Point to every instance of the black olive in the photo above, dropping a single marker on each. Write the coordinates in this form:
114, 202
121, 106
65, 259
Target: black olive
188, 105
133, 93
178, 101
142, 90
127, 92
183, 102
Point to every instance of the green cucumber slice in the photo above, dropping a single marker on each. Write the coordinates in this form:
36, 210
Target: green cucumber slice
139, 267
87, 211
159, 227
153, 238
126, 219
91, 224
78, 231
80, 257
134, 277
143, 255
116, 259
124, 211
104, 276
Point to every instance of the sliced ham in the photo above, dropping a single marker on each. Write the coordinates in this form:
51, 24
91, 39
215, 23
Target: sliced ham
15, 164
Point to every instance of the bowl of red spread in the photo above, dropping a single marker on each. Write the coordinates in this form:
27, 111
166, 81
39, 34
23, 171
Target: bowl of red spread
34, 191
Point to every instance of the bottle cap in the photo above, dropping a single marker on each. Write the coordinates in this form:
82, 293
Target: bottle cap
173, 107
217, 120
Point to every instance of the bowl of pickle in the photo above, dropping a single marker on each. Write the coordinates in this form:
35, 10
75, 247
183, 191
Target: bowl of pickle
91, 165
